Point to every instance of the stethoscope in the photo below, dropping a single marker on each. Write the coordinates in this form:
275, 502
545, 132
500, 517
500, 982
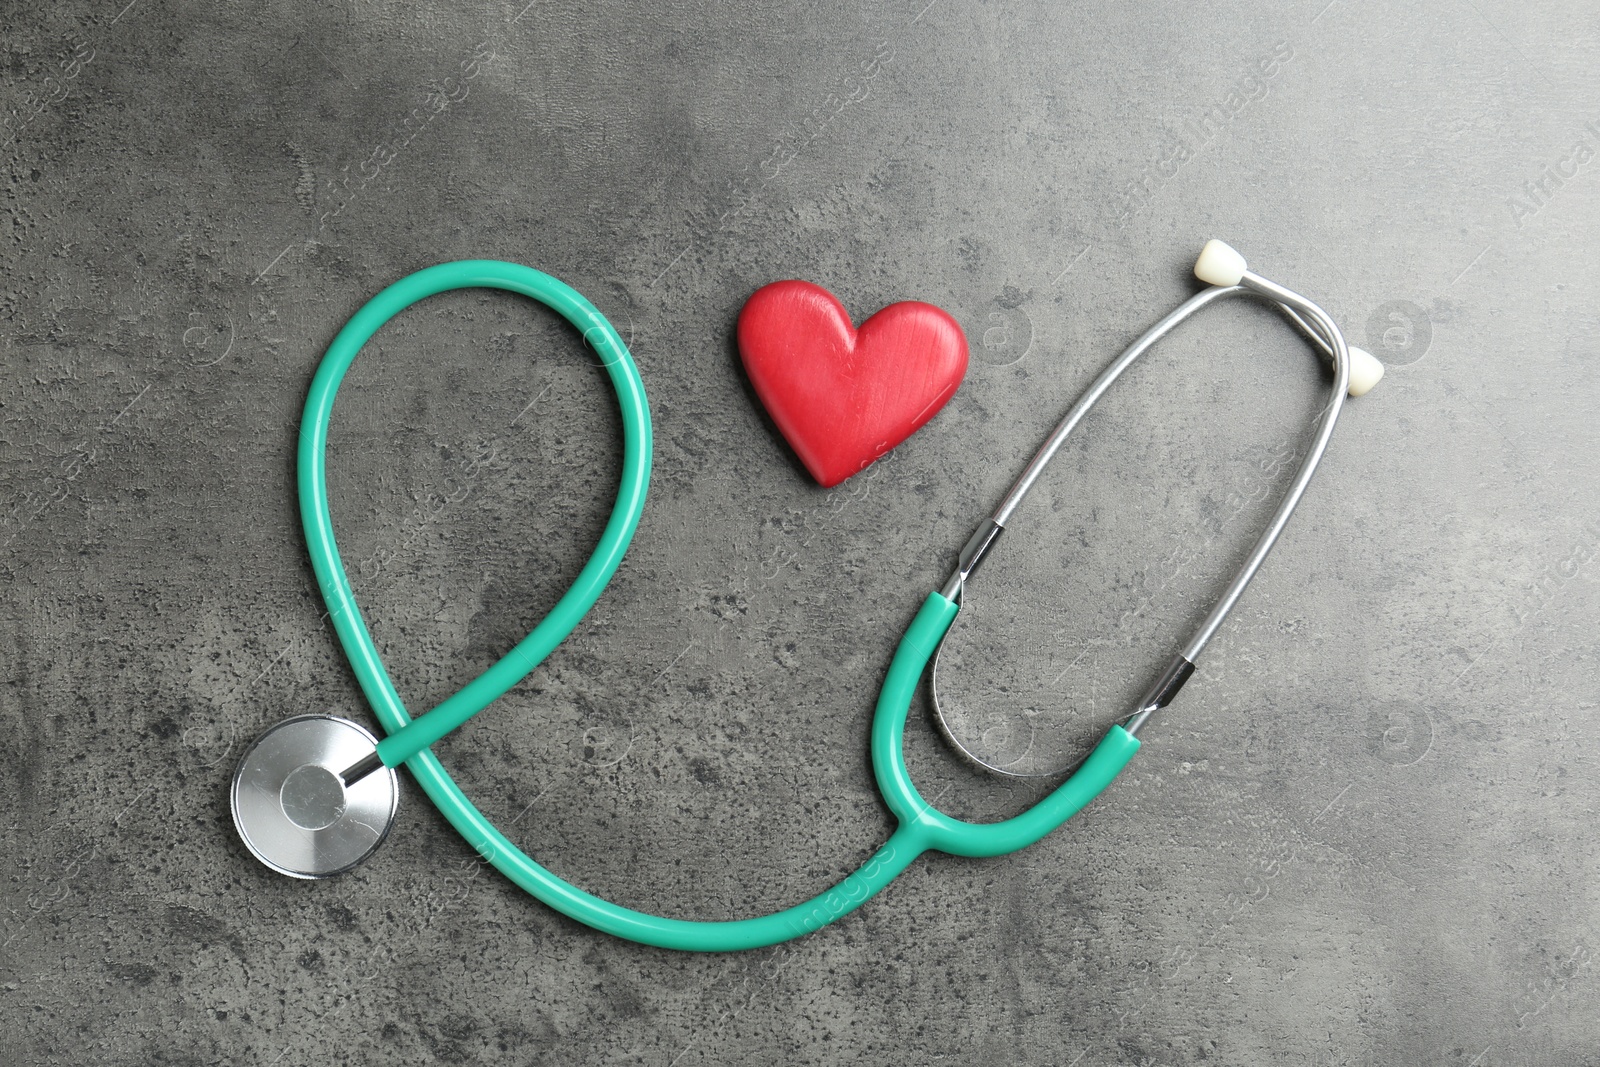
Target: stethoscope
316, 794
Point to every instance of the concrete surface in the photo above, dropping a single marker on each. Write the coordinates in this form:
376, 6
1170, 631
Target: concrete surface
1364, 835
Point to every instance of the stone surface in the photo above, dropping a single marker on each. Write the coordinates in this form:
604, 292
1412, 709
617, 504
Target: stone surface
1363, 835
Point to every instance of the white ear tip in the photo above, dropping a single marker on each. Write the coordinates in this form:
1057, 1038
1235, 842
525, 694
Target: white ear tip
1365, 371
1219, 264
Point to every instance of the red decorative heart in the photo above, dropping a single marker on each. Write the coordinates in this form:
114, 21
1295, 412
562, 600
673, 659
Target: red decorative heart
842, 397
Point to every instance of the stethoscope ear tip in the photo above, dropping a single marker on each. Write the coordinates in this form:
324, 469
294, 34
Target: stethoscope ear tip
295, 812
1219, 264
1365, 371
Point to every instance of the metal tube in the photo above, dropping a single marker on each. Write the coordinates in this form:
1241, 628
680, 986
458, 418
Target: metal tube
1308, 466
358, 770
1160, 694
1047, 451
1324, 334
1307, 330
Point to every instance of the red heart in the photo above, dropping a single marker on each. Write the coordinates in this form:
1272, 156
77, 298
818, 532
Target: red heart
842, 397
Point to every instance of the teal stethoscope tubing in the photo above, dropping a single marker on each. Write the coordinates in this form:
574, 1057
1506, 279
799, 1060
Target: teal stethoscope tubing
921, 827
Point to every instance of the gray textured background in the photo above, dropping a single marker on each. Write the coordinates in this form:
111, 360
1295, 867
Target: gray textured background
1365, 833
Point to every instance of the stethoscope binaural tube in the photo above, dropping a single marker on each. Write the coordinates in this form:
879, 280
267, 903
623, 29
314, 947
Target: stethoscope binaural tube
921, 827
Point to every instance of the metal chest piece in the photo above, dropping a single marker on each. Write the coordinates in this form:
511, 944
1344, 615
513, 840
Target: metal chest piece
292, 807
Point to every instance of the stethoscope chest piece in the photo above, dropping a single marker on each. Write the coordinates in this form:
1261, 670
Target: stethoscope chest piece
294, 811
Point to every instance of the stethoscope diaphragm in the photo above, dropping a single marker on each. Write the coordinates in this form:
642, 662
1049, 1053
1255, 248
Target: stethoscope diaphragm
295, 812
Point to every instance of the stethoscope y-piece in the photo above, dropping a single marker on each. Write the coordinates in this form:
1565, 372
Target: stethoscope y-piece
316, 794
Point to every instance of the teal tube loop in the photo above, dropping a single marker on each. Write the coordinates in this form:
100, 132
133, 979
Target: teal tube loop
407, 738
921, 827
